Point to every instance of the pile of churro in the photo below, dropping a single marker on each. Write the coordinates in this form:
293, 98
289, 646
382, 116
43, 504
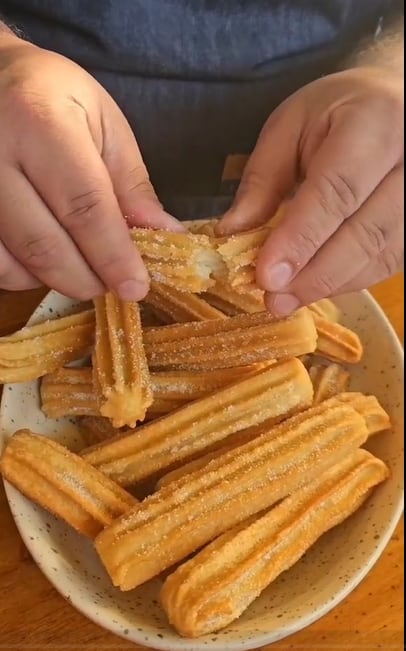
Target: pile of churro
221, 442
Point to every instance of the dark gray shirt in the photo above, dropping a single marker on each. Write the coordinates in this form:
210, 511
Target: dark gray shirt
198, 78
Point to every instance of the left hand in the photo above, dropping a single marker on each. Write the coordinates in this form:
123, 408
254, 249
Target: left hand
341, 137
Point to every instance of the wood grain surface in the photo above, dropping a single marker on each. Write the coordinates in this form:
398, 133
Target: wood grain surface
34, 616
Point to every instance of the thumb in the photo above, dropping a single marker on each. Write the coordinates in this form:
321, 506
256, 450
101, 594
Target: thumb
268, 177
132, 186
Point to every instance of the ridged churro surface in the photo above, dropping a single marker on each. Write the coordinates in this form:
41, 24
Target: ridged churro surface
120, 368
237, 341
273, 392
63, 483
212, 589
174, 306
183, 516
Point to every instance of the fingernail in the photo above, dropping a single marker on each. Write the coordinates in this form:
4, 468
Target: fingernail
282, 304
132, 290
278, 276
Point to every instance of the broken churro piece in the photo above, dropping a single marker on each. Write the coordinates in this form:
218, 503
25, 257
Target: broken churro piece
63, 483
233, 301
185, 261
120, 367
213, 588
272, 393
185, 515
173, 306
326, 309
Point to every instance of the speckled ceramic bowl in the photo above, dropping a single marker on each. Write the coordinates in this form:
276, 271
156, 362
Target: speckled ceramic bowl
324, 577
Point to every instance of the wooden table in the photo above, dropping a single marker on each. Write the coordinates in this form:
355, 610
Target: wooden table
34, 616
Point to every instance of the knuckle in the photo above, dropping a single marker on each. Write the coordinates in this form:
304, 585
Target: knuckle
82, 213
40, 253
137, 180
337, 195
392, 262
324, 285
371, 237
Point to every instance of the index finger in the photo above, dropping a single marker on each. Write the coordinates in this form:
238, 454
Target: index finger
68, 172
351, 162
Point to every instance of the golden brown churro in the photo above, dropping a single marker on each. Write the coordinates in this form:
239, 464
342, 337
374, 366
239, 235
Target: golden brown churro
328, 381
233, 301
173, 306
68, 392
185, 261
272, 393
63, 483
120, 368
212, 589
375, 417
183, 516
239, 253
326, 309
237, 341
36, 350
336, 342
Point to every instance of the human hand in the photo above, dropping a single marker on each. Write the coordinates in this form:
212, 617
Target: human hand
70, 168
341, 139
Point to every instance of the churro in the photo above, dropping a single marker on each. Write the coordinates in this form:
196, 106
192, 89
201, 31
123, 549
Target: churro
185, 261
273, 392
239, 253
185, 515
63, 483
233, 301
375, 417
336, 342
369, 407
328, 381
36, 350
213, 588
237, 341
68, 392
120, 367
174, 306
326, 309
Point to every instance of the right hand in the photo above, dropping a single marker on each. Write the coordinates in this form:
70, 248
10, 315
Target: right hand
70, 168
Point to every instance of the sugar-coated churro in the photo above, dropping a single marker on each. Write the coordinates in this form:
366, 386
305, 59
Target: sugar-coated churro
239, 253
213, 588
68, 392
326, 309
336, 342
369, 407
375, 417
237, 341
36, 350
63, 483
174, 306
183, 516
185, 261
328, 380
120, 368
273, 392
233, 301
